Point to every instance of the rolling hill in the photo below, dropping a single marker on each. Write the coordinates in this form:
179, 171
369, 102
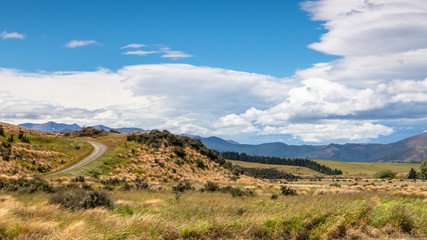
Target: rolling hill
412, 149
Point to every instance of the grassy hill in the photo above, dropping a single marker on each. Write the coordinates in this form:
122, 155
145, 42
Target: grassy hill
155, 157
40, 153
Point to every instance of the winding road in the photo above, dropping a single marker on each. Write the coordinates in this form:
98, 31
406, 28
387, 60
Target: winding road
98, 150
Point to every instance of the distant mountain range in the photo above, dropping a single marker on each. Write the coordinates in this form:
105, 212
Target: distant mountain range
412, 149
69, 128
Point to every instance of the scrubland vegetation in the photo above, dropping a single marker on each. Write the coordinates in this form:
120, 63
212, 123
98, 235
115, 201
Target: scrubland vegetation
161, 186
313, 213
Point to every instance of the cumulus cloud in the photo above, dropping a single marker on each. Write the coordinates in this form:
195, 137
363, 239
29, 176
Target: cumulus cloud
81, 43
178, 97
139, 52
326, 130
6, 35
380, 77
166, 52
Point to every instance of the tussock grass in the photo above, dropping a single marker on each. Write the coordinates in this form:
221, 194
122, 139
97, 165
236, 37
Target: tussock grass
213, 215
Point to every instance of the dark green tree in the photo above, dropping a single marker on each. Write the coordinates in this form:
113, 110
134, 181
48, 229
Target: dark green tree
10, 139
412, 174
423, 168
1, 131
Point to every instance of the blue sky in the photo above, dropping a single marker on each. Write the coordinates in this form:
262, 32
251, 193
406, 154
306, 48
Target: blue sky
266, 37
300, 72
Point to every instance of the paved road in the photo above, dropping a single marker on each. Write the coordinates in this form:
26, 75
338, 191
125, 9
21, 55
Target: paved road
98, 150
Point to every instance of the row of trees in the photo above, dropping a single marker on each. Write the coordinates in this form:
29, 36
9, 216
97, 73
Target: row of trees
303, 162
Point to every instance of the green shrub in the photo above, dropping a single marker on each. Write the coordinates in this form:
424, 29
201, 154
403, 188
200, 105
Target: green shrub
412, 174
287, 191
179, 151
140, 184
238, 192
200, 164
182, 187
36, 184
385, 174
139, 171
80, 199
423, 168
211, 187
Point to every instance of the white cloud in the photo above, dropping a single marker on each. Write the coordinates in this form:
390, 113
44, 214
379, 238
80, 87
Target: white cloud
168, 53
81, 43
328, 130
165, 51
6, 35
178, 97
139, 52
134, 45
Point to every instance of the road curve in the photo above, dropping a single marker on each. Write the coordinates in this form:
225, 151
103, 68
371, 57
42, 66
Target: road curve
98, 150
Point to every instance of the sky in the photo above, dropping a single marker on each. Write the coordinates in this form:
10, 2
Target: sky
298, 72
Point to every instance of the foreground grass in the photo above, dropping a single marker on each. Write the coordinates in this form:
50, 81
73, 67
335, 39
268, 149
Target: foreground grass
196, 215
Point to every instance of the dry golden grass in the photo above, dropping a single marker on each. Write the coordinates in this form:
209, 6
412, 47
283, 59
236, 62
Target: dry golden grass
335, 214
163, 165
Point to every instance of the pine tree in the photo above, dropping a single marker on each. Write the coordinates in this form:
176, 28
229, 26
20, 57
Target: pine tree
1, 131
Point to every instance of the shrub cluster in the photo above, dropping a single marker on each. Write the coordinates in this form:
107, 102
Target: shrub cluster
388, 174
23, 137
182, 187
137, 184
267, 173
234, 191
79, 199
31, 185
88, 132
6, 150
287, 191
237, 191
211, 187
